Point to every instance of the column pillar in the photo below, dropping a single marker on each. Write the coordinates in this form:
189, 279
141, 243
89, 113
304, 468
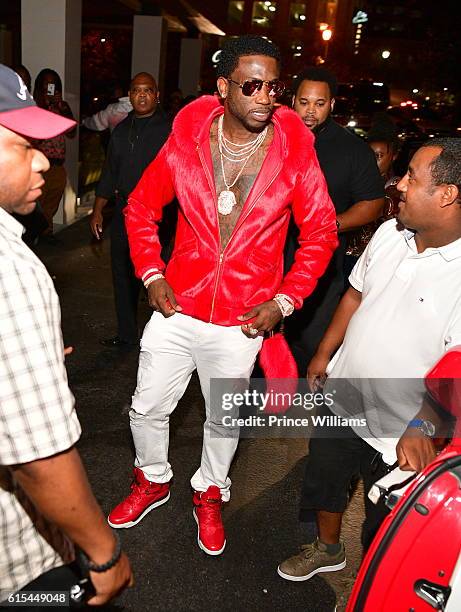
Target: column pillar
190, 66
149, 47
51, 38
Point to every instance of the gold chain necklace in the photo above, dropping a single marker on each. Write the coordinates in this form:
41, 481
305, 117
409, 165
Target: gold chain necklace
226, 198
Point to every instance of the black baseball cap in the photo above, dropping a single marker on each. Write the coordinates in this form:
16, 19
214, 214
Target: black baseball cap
19, 112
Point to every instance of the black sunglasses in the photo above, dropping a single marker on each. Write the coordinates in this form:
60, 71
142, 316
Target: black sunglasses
251, 86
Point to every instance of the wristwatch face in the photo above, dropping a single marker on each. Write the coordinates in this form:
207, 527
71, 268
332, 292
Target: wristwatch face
427, 428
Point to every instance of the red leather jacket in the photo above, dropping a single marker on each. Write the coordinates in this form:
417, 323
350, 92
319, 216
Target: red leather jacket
218, 285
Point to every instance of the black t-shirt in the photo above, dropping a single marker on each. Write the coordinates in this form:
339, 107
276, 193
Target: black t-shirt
352, 175
349, 166
134, 143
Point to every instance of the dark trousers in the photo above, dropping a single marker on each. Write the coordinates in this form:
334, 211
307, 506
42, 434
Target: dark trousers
305, 328
126, 285
333, 465
57, 579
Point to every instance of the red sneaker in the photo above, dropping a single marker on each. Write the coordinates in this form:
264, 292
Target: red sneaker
144, 497
207, 513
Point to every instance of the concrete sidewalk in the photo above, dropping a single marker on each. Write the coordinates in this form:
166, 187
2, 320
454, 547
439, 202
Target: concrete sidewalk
261, 518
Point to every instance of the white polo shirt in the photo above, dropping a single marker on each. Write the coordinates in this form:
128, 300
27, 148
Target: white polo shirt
410, 315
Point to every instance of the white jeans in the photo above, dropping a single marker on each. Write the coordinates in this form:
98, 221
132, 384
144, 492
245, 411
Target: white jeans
171, 349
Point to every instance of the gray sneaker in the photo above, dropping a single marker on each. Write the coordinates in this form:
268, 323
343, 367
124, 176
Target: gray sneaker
313, 559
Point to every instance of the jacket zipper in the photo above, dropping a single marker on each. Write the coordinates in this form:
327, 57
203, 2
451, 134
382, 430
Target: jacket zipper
239, 222
207, 173
215, 290
221, 253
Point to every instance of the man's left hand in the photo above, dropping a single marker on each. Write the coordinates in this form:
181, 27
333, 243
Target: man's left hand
265, 318
415, 450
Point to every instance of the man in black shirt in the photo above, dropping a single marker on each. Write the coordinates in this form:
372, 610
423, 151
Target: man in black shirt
133, 145
356, 189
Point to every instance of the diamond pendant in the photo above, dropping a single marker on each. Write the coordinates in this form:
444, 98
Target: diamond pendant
226, 202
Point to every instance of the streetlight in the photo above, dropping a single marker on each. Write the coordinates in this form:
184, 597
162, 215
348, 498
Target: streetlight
386, 54
326, 37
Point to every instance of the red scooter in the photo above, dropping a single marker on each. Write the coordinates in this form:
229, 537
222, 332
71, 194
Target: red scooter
414, 562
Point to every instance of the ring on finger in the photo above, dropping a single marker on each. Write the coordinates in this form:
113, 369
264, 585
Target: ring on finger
253, 331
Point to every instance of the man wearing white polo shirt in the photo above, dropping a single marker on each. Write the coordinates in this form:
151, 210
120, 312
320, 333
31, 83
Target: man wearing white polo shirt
400, 315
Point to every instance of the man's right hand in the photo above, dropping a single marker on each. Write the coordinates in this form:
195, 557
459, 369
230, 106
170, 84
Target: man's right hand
111, 583
96, 224
316, 371
161, 298
415, 450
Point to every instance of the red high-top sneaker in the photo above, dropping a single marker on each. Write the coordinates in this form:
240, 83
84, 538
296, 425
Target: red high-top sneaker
207, 513
144, 497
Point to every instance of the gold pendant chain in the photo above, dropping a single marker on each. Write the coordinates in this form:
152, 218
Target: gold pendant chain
226, 199
246, 149
255, 144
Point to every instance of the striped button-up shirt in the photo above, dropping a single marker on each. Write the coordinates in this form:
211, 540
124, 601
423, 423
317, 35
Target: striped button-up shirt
37, 416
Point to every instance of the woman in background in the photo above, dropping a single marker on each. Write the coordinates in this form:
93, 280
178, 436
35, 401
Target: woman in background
48, 95
384, 142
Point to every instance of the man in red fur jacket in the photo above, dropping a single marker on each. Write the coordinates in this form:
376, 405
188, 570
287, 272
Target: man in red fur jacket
238, 166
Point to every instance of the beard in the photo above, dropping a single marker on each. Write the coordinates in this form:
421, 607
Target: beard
255, 127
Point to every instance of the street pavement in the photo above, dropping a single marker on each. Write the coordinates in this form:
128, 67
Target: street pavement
261, 519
